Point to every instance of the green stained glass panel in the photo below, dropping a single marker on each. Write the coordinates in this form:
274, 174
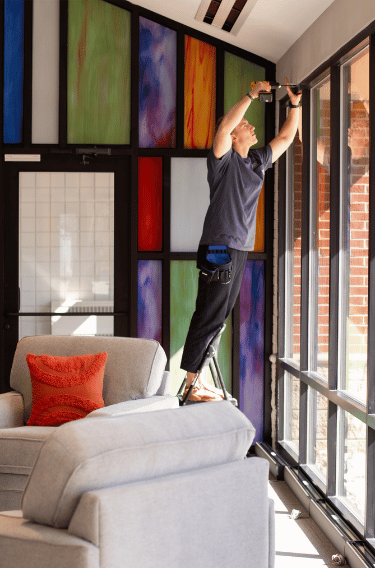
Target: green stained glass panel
239, 74
184, 287
98, 73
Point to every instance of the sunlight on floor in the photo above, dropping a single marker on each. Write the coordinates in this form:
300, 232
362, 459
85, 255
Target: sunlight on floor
299, 543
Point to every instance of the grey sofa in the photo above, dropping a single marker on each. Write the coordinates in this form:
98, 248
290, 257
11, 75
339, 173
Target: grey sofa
170, 488
134, 380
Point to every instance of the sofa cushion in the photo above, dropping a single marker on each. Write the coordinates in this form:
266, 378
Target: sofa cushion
27, 545
65, 388
19, 448
134, 368
92, 454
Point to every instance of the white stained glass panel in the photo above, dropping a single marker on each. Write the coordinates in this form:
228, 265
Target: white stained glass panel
45, 84
190, 197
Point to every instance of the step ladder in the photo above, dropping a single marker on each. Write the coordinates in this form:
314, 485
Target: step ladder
211, 357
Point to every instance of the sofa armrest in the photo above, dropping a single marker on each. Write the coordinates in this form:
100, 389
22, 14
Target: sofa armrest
146, 510
166, 384
11, 410
138, 405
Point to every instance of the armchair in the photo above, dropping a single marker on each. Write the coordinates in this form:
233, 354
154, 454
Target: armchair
167, 488
134, 381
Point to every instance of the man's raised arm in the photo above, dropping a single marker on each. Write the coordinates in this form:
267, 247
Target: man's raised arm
288, 131
223, 141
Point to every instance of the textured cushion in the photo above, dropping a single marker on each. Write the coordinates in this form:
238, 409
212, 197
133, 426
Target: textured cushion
36, 546
65, 388
19, 447
134, 368
95, 453
11, 410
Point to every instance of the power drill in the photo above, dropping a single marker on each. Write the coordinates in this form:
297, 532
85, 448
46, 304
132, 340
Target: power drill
267, 97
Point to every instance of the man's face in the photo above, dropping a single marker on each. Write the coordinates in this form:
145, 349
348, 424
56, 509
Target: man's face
244, 133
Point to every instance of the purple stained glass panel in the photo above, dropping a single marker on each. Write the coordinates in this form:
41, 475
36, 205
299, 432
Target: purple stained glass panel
149, 317
251, 401
157, 85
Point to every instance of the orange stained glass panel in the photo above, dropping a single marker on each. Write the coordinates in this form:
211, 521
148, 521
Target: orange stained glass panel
200, 93
259, 232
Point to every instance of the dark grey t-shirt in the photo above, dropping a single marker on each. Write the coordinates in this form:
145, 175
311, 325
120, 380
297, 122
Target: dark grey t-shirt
235, 184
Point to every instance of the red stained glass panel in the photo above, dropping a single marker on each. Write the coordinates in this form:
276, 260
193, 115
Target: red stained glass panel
150, 181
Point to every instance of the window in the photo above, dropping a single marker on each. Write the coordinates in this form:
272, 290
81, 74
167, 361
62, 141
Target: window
320, 228
293, 258
326, 397
351, 463
291, 412
354, 225
317, 419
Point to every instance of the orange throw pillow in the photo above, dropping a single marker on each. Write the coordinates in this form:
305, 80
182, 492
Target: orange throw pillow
65, 388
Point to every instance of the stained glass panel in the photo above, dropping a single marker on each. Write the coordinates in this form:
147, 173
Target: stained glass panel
190, 197
184, 287
98, 73
157, 85
238, 76
200, 93
150, 180
252, 345
13, 71
259, 231
46, 60
149, 318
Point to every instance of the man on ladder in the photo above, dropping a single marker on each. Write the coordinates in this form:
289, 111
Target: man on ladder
235, 177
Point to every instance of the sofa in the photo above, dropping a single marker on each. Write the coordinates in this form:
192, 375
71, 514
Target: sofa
135, 380
170, 488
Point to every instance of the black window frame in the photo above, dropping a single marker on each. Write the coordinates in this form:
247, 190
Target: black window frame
336, 398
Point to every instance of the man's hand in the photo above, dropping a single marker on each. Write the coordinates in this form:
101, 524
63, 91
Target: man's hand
294, 99
260, 87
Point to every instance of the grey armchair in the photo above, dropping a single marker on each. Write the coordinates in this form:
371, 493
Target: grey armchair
147, 490
135, 380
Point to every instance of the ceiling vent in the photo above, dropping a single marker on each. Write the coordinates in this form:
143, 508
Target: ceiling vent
228, 15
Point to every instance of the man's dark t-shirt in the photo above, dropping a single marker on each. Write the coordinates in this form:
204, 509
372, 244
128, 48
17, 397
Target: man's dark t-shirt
235, 184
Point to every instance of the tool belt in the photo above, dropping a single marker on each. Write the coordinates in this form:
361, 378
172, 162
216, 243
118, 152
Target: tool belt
215, 272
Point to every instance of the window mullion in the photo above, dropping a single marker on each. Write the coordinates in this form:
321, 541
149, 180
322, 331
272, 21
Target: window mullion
305, 287
370, 485
334, 278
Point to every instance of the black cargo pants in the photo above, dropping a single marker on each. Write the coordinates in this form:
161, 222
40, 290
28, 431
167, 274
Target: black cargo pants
214, 303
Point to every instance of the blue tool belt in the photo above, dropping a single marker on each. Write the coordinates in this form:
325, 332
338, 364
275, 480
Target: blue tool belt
217, 266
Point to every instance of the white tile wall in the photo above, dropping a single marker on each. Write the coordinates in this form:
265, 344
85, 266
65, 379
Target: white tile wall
66, 241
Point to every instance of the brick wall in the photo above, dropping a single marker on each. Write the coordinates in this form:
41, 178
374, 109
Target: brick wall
323, 242
297, 213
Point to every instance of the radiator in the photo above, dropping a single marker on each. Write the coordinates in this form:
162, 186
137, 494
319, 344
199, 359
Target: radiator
82, 324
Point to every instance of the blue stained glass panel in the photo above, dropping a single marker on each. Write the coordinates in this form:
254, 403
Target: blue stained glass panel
157, 85
149, 318
13, 71
251, 401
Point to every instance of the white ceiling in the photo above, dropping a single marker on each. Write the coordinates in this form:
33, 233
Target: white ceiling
270, 30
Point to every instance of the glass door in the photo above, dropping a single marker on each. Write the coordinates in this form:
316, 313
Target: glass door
60, 249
